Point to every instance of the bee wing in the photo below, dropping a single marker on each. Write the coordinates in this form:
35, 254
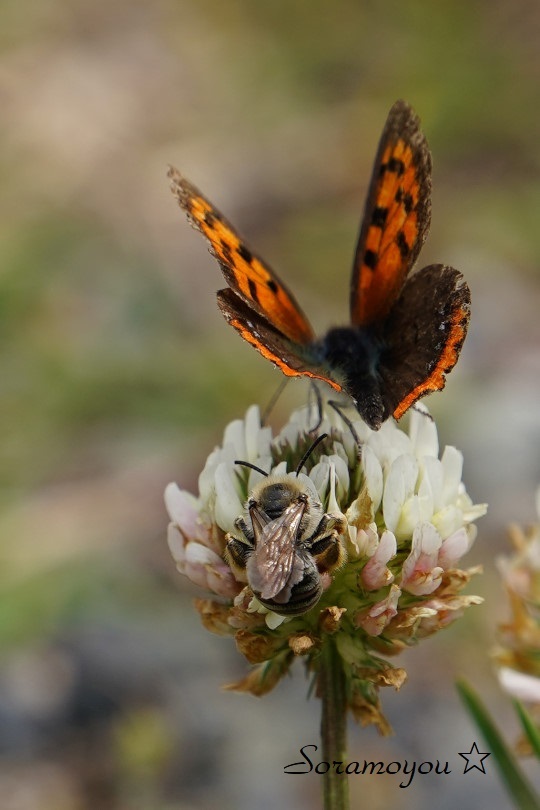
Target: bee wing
259, 519
275, 564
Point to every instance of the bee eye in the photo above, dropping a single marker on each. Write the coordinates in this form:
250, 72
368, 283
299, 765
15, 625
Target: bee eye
303, 497
251, 503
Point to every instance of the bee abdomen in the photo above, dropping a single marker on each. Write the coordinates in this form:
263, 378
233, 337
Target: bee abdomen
303, 597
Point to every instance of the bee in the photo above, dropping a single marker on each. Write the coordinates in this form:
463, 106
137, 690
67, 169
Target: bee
287, 543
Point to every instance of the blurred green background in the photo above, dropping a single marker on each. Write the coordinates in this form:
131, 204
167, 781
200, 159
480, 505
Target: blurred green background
118, 373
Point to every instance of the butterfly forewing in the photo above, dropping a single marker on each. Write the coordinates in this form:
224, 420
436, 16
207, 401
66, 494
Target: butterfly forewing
396, 219
292, 359
406, 332
245, 272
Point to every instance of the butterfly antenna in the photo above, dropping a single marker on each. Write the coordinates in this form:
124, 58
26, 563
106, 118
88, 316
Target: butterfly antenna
310, 450
252, 467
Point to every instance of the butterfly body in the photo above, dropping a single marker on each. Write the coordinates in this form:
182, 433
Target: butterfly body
406, 331
352, 355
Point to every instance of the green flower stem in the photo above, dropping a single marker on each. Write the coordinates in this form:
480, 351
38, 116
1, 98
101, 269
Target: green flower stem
332, 691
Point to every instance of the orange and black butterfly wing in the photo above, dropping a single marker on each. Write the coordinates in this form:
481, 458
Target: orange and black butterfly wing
293, 359
396, 219
423, 336
250, 278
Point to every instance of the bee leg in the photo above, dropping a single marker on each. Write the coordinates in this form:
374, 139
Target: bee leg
328, 551
328, 523
236, 555
246, 530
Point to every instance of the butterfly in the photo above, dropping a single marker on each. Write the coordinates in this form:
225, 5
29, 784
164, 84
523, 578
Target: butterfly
406, 331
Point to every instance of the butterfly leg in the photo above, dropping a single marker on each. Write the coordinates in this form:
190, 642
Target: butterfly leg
421, 409
275, 396
337, 408
314, 390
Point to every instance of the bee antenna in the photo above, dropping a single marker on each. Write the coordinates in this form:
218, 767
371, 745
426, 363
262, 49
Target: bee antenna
309, 451
252, 467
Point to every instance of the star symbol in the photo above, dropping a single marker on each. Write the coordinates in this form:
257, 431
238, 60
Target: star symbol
474, 759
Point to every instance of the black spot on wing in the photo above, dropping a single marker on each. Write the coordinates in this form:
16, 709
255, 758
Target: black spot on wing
226, 251
394, 165
405, 198
379, 216
253, 290
245, 253
403, 245
370, 259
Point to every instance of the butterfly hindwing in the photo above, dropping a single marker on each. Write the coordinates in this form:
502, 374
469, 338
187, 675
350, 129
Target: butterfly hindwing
244, 271
423, 334
396, 219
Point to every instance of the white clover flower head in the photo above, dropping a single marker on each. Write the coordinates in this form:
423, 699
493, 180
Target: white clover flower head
407, 522
375, 573
521, 570
518, 653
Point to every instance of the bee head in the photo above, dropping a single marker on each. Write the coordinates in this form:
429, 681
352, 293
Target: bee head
276, 493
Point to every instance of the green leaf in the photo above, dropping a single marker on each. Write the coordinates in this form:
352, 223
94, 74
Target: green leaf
532, 732
519, 788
